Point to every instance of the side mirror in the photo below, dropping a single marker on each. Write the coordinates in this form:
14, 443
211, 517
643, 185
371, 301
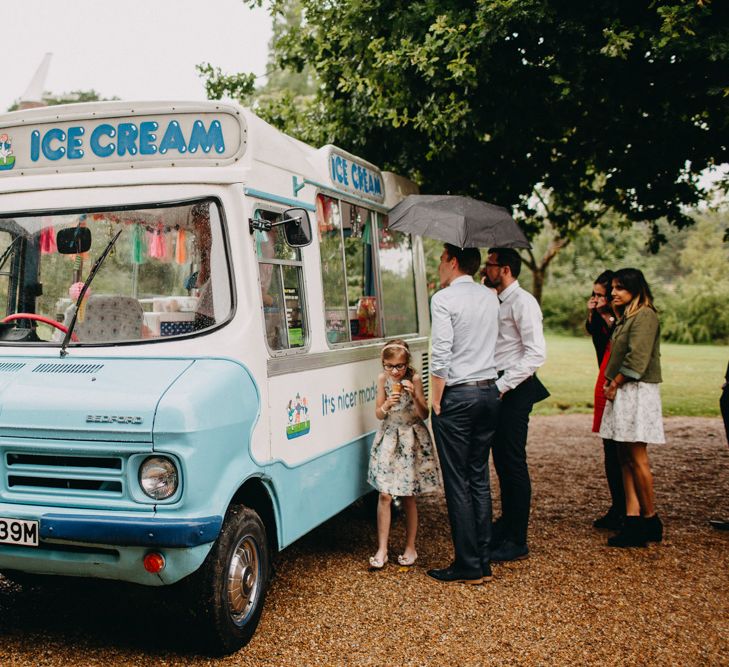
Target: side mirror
297, 227
73, 240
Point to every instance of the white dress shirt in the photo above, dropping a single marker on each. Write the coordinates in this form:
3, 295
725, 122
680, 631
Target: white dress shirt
464, 331
521, 347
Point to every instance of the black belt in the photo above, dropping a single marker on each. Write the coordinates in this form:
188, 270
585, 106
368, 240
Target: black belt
476, 383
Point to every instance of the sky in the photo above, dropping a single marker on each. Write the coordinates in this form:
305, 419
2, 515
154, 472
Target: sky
131, 49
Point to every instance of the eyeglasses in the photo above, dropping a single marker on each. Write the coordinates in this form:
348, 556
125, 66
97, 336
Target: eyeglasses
492, 264
595, 295
394, 367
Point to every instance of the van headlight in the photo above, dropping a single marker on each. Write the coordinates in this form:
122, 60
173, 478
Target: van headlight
158, 477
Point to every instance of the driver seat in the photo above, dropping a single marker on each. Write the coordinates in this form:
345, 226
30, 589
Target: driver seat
108, 318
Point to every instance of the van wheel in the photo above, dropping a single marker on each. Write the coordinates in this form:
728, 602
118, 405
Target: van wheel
230, 586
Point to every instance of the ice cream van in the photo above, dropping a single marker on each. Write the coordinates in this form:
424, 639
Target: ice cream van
193, 306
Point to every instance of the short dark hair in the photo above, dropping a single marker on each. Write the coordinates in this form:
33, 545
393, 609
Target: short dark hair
469, 259
508, 257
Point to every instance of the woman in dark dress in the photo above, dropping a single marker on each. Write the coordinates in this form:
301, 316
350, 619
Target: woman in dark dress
600, 323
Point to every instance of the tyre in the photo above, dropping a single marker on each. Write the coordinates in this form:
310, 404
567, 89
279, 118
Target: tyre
230, 587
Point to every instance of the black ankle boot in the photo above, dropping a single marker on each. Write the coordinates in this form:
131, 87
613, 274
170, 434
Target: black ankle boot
653, 529
630, 535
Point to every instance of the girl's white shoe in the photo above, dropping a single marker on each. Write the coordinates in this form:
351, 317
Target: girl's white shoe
377, 563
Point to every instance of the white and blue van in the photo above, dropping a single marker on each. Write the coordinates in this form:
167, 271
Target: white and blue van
193, 307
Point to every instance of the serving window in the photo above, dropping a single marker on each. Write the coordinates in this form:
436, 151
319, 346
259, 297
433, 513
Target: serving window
352, 239
397, 274
282, 287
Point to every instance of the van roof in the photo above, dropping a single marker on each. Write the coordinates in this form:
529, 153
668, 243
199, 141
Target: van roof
123, 136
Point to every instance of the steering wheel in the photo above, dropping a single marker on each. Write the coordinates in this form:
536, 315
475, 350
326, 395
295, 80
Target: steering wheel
39, 318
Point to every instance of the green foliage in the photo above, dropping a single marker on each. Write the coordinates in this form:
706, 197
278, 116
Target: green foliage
219, 85
574, 115
564, 310
693, 317
612, 107
688, 277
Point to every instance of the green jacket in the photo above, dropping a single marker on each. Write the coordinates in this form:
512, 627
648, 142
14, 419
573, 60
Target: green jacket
635, 348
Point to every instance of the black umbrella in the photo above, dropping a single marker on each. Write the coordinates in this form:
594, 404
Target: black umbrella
460, 221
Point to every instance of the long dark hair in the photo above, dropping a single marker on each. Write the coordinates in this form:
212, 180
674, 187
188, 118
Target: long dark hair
634, 282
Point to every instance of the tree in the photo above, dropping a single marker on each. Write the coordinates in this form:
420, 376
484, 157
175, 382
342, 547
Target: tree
285, 93
563, 111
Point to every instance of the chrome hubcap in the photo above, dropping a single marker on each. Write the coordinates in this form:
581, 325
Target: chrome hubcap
244, 580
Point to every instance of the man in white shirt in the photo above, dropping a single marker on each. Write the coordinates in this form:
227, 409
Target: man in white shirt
465, 408
520, 351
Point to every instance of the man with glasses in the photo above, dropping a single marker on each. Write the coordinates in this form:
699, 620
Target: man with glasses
520, 351
465, 408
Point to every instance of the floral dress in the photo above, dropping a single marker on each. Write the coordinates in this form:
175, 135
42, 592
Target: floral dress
402, 459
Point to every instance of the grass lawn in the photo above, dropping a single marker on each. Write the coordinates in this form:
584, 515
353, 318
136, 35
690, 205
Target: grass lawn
692, 377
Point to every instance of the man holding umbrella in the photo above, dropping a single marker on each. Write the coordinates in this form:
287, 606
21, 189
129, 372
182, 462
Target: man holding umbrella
464, 394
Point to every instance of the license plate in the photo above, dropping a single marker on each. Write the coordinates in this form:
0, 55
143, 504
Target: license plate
19, 531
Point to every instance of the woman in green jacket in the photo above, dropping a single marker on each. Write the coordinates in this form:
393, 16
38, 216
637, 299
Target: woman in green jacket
633, 415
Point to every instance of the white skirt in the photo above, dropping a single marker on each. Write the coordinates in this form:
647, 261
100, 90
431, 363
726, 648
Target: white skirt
636, 415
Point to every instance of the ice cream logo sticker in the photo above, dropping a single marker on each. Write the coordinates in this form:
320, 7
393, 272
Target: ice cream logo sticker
7, 159
298, 415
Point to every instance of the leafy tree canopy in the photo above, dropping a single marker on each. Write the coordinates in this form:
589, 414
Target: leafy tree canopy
602, 103
566, 112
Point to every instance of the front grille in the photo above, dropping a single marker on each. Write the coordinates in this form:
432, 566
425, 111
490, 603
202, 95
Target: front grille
425, 374
74, 461
42, 473
64, 483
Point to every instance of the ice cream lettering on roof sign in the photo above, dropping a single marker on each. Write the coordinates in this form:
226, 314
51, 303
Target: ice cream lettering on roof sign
144, 140
352, 175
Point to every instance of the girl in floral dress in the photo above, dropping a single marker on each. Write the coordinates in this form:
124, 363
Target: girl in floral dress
402, 460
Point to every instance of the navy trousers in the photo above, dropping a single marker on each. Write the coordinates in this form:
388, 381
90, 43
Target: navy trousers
463, 433
510, 459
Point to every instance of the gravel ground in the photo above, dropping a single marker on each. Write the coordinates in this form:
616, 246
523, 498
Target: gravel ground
575, 601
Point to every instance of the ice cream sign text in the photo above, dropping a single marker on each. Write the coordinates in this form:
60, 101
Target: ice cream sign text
149, 137
349, 174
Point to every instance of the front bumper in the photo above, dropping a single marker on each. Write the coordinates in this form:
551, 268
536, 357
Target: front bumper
130, 531
110, 547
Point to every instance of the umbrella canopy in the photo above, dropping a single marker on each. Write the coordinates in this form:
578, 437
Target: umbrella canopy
460, 221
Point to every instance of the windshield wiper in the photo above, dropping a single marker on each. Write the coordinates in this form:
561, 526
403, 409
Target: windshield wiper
82, 293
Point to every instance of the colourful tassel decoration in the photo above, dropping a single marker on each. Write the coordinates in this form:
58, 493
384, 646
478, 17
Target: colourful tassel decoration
180, 247
137, 245
157, 246
48, 241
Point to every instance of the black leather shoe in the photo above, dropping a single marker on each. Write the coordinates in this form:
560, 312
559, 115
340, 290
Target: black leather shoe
631, 534
719, 524
610, 521
486, 571
450, 575
508, 551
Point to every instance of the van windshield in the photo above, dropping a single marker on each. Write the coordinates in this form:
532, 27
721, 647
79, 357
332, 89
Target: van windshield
166, 276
